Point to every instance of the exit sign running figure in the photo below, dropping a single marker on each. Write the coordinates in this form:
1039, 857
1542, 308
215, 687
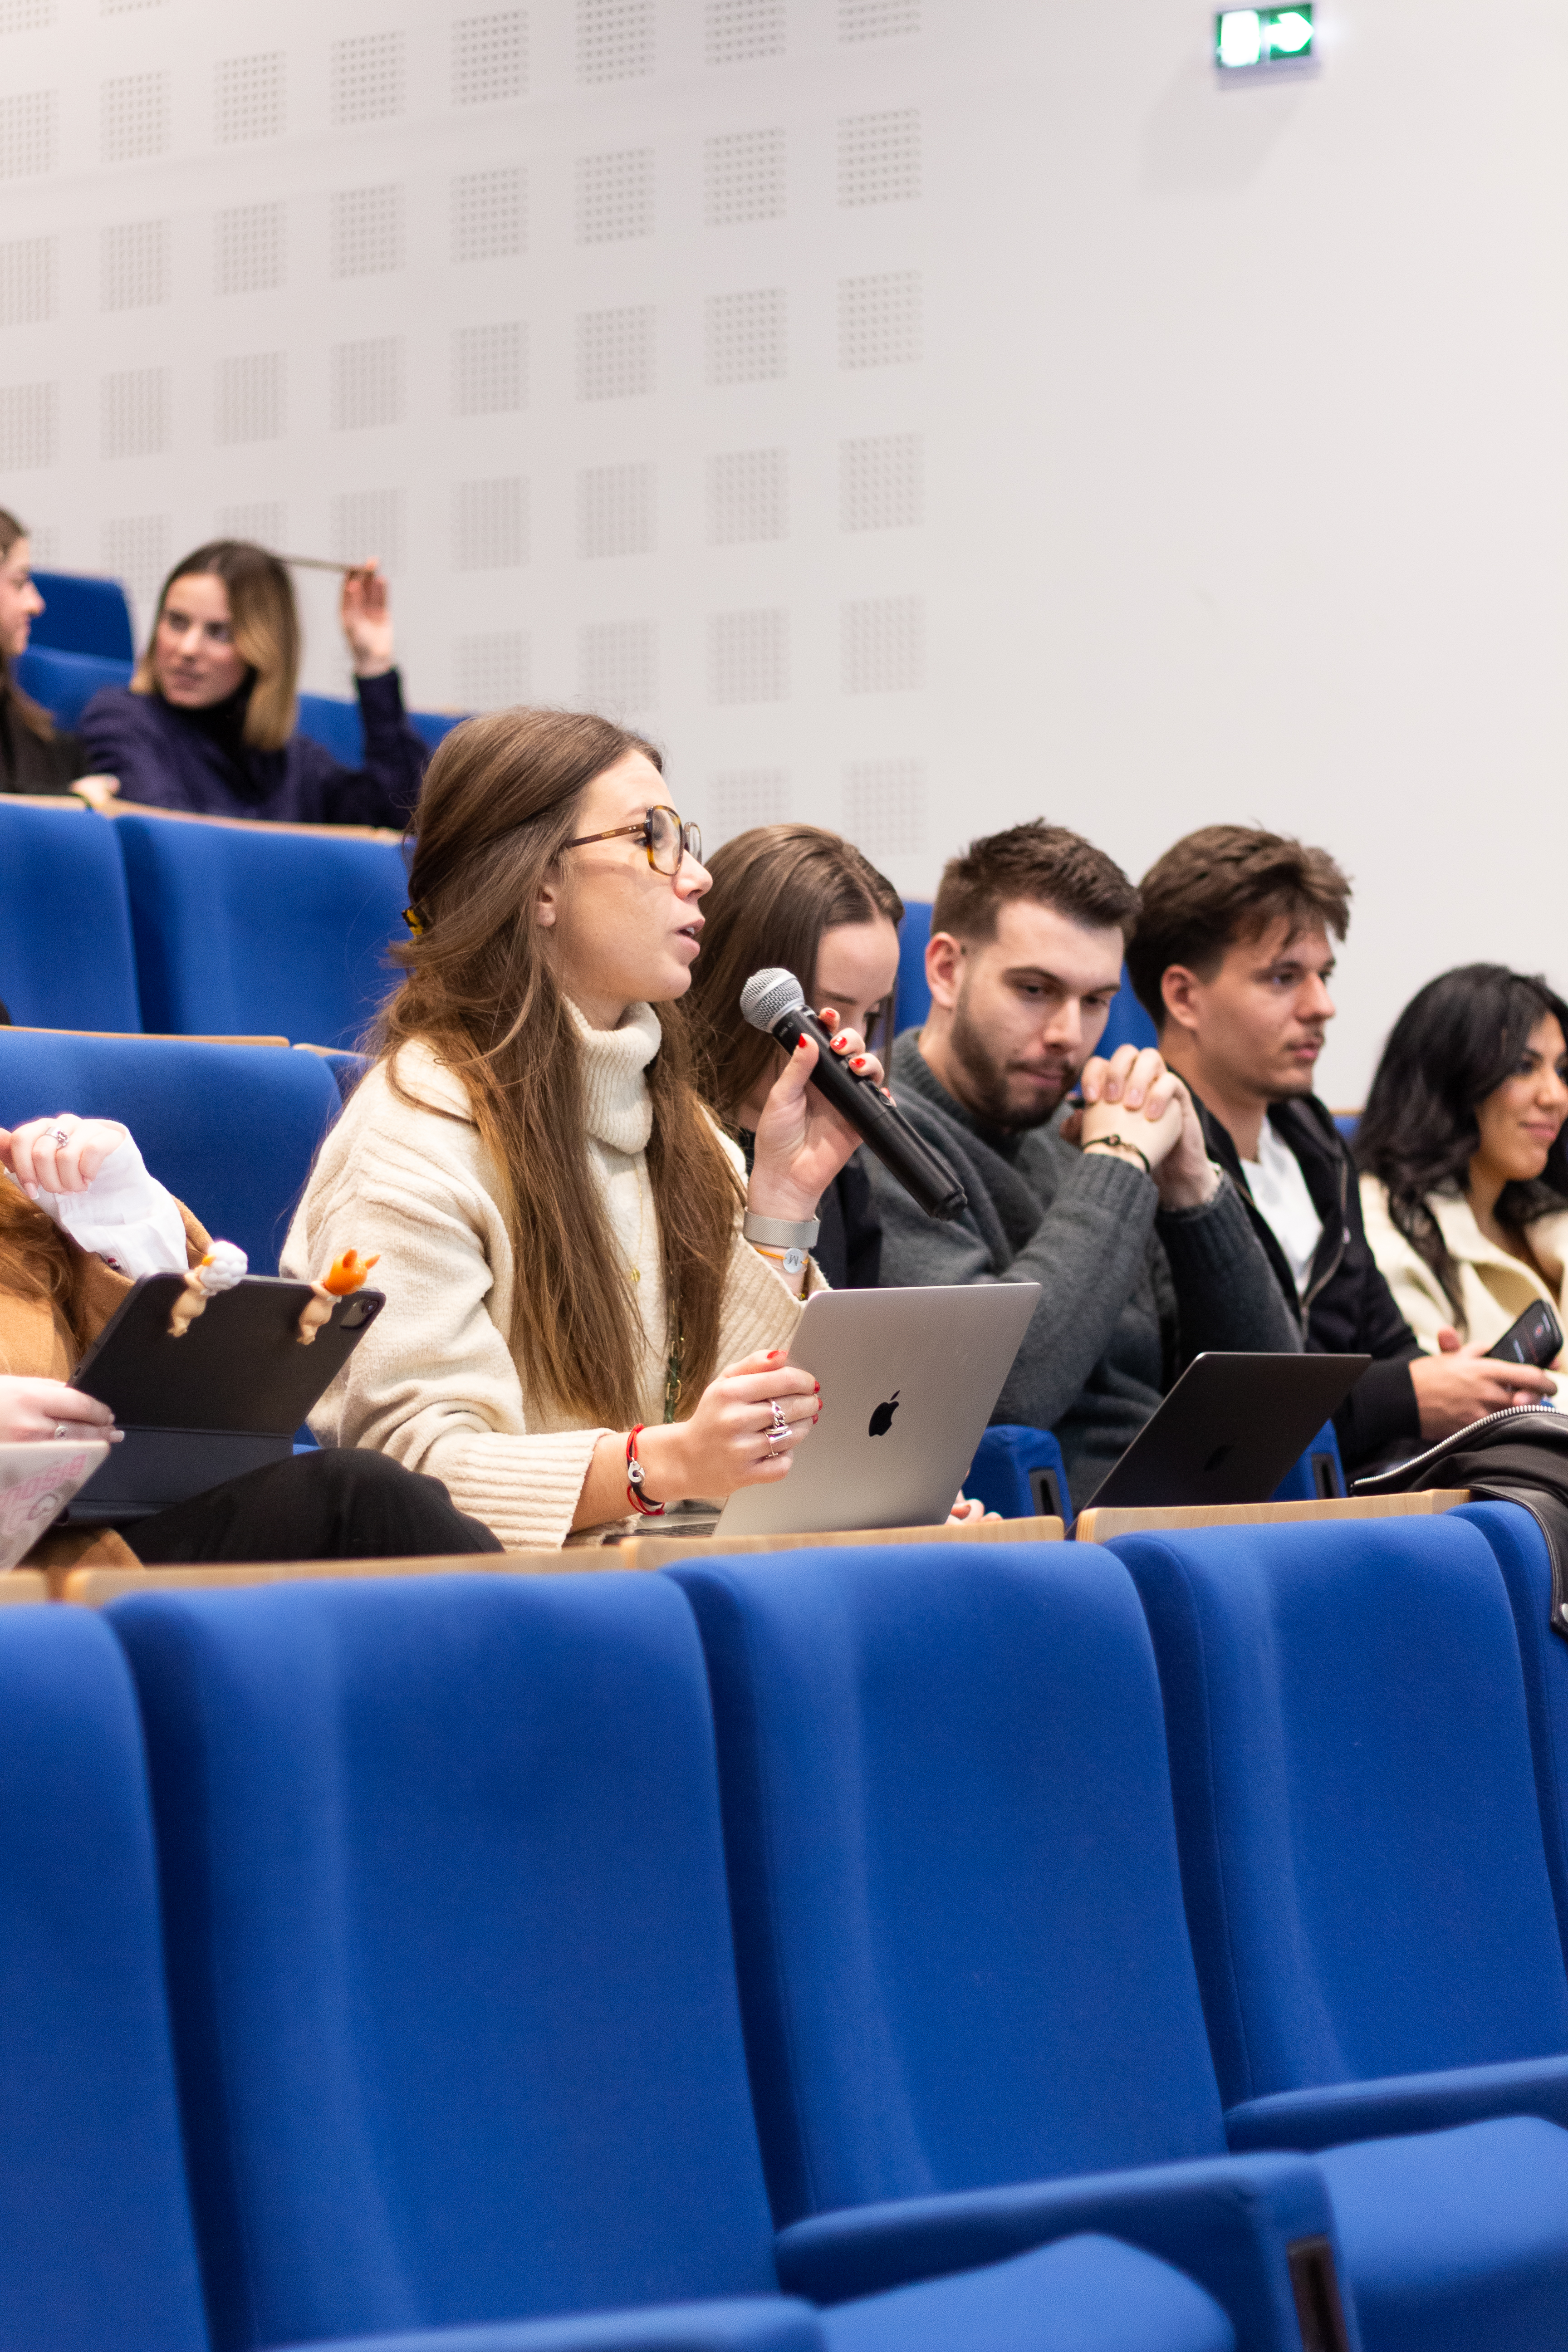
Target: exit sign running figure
1262, 37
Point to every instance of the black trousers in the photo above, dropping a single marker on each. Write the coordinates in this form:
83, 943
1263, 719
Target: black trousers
334, 1505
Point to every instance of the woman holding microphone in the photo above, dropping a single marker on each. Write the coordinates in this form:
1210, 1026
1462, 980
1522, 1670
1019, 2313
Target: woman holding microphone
591, 1305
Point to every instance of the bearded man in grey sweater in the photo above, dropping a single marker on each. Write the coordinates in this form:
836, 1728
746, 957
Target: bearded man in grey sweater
1143, 1250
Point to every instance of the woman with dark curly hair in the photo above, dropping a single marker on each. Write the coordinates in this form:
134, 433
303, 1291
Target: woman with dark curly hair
1465, 1178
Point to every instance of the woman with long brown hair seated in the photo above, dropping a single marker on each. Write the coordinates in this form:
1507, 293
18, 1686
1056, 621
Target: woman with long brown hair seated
208, 722
797, 898
594, 1304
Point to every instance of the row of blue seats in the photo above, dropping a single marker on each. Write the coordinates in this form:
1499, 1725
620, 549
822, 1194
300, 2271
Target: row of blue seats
1050, 1948
174, 925
197, 928
233, 1129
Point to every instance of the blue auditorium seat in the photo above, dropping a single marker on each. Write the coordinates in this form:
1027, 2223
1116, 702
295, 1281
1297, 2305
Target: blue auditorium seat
231, 1130
965, 1961
96, 2247
1519, 1546
65, 683
261, 931
1127, 1023
336, 724
347, 1069
1362, 1856
1318, 1475
82, 615
1019, 1473
453, 1991
65, 953
913, 1001
1348, 1723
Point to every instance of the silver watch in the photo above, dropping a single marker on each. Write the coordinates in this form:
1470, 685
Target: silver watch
781, 1233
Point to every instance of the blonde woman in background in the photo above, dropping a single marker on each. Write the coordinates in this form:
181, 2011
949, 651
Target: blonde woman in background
1465, 1178
208, 722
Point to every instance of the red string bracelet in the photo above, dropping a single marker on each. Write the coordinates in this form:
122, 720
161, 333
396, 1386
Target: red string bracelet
635, 1476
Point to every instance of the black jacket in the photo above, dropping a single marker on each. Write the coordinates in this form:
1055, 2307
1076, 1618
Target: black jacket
1347, 1308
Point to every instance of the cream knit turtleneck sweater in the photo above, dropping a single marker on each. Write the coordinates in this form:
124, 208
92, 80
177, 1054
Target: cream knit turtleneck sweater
433, 1381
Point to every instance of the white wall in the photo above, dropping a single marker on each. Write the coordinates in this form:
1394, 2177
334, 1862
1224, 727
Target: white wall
919, 415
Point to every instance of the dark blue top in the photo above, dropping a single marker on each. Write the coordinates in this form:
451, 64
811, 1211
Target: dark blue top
198, 759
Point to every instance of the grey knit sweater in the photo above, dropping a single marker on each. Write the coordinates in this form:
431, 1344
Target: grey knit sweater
1129, 1291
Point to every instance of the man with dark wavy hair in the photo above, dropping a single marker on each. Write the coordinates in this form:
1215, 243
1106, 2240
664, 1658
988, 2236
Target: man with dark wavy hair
1232, 957
1143, 1248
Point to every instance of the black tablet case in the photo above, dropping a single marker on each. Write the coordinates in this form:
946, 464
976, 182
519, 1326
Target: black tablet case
225, 1398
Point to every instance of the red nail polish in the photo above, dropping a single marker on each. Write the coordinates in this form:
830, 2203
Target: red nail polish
773, 1355
858, 1063
841, 1040
800, 1046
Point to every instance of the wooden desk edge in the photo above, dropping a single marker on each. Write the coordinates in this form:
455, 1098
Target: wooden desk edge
657, 1552
93, 1587
1102, 1525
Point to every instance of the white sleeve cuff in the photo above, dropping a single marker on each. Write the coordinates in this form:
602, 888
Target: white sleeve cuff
125, 1217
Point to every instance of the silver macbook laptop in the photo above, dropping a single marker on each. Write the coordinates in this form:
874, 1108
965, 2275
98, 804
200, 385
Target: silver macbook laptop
909, 1381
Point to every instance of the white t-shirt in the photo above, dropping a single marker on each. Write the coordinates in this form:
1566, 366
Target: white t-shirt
1280, 1193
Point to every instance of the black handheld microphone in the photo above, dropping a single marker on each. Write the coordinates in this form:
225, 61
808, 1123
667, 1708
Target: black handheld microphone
775, 1001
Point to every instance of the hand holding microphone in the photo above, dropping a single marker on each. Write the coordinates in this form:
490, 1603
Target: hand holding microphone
774, 1002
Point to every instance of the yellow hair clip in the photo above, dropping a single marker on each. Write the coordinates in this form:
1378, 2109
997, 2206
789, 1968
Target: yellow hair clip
415, 921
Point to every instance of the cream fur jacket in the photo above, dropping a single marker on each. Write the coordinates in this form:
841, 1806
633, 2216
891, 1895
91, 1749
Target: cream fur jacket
433, 1381
1495, 1288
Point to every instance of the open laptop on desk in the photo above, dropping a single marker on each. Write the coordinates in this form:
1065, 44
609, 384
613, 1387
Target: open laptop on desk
1229, 1430
909, 1380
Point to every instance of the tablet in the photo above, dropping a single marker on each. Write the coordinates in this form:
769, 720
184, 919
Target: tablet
225, 1398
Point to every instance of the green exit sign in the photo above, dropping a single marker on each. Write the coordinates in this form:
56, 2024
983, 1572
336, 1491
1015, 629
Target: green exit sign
1262, 37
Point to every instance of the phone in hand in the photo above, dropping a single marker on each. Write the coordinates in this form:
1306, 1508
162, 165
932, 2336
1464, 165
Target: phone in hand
1535, 1339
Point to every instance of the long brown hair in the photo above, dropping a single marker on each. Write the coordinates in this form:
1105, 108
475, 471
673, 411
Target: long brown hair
499, 802
33, 715
264, 623
37, 1256
776, 891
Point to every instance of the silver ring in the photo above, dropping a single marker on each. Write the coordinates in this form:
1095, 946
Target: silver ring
57, 1135
778, 1426
60, 1429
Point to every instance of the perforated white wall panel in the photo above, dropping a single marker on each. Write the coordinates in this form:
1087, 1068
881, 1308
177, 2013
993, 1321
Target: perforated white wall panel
599, 322
916, 415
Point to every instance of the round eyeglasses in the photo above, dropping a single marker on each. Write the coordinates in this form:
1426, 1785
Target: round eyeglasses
662, 834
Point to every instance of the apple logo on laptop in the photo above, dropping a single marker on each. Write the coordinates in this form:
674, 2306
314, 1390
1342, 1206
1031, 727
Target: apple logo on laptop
882, 1421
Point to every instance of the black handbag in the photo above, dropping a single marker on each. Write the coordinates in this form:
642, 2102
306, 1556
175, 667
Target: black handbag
1519, 1455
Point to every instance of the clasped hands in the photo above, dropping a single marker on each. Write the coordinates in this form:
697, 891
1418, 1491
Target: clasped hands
1134, 1097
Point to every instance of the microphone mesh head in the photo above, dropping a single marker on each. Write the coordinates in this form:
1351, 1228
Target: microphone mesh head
769, 994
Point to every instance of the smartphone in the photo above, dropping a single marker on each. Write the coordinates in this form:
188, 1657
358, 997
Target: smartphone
1535, 1339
